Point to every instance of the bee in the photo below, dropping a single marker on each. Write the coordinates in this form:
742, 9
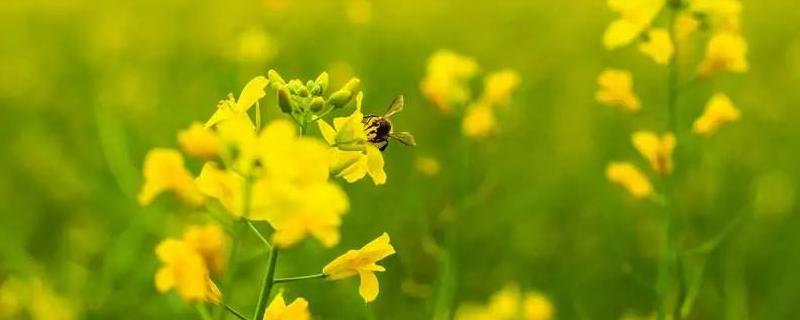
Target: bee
379, 128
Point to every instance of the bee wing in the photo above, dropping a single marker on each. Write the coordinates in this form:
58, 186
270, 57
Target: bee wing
395, 107
404, 138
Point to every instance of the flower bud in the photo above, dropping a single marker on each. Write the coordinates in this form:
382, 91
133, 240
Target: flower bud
322, 81
317, 104
275, 79
284, 100
340, 98
353, 85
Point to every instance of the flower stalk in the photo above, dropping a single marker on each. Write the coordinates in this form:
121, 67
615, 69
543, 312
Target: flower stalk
300, 278
266, 286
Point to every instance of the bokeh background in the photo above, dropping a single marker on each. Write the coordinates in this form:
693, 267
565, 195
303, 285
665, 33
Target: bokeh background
87, 87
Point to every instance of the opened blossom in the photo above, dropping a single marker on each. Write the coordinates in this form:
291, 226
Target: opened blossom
616, 89
445, 82
630, 178
184, 270
199, 141
362, 262
507, 304
724, 52
657, 150
718, 112
231, 108
163, 171
658, 46
634, 17
279, 310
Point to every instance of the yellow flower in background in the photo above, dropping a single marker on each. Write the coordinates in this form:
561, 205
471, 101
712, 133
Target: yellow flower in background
293, 192
445, 82
33, 299
362, 262
724, 52
509, 304
723, 15
199, 141
184, 270
630, 178
209, 242
164, 171
223, 185
616, 89
479, 121
278, 310
719, 111
232, 108
657, 151
685, 25
352, 156
428, 165
498, 86
658, 46
635, 16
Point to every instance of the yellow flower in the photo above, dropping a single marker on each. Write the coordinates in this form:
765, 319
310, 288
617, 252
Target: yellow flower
294, 194
498, 86
428, 165
658, 46
658, 151
199, 141
723, 15
231, 108
445, 82
479, 121
725, 52
209, 242
508, 304
685, 25
223, 185
164, 171
362, 262
635, 16
185, 271
278, 310
719, 111
352, 155
629, 177
616, 89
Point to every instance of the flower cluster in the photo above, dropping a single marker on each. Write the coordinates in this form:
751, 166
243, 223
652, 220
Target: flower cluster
507, 304
277, 174
726, 51
446, 84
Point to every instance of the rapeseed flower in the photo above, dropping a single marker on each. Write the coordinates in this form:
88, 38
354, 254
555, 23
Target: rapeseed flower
658, 46
635, 17
445, 82
231, 108
685, 25
479, 117
616, 89
164, 171
223, 185
498, 86
279, 310
199, 141
508, 304
184, 270
362, 262
719, 111
722, 15
209, 242
629, 177
479, 121
724, 52
352, 156
657, 151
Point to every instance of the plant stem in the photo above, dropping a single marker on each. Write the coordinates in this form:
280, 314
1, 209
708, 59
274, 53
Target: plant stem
203, 311
234, 312
300, 278
266, 286
258, 233
228, 277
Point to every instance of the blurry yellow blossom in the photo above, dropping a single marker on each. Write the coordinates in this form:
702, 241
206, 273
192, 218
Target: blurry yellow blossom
616, 89
719, 111
184, 270
164, 171
428, 165
498, 86
294, 194
352, 156
199, 141
629, 177
725, 52
362, 262
33, 299
209, 242
657, 151
685, 25
723, 15
359, 12
232, 108
658, 46
445, 82
509, 304
635, 16
278, 310
479, 121
255, 45
222, 185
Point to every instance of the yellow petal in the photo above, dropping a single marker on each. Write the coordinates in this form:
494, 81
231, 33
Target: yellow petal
620, 33
199, 141
369, 286
164, 280
658, 46
164, 170
224, 186
479, 121
328, 133
719, 111
251, 93
276, 308
629, 177
375, 165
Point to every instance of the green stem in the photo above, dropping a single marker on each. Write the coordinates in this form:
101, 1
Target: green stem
258, 233
234, 312
266, 286
203, 311
301, 278
228, 277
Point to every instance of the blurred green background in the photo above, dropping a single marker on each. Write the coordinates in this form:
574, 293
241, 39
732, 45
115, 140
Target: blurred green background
87, 87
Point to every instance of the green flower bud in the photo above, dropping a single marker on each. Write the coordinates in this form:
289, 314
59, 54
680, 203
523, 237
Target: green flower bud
322, 81
275, 79
340, 98
284, 100
316, 90
317, 104
353, 85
